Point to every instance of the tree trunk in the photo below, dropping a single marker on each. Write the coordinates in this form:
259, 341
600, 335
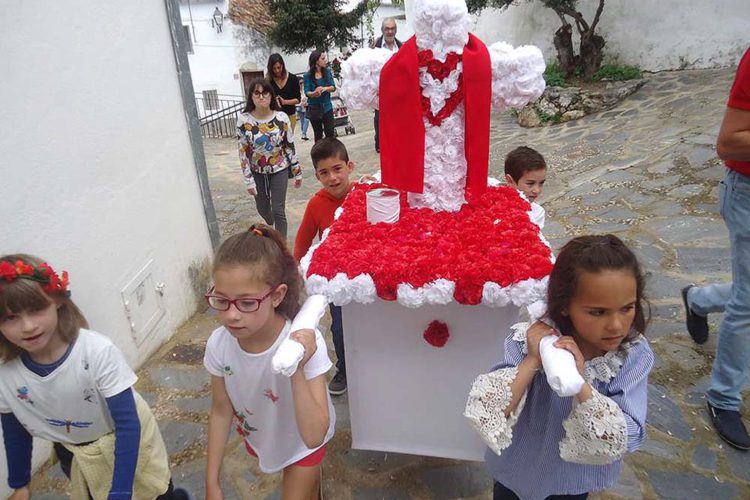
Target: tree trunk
563, 40
592, 46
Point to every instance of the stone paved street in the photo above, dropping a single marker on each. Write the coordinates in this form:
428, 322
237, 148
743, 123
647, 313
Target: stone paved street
646, 171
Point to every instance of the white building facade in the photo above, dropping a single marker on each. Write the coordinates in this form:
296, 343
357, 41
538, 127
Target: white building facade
99, 166
219, 56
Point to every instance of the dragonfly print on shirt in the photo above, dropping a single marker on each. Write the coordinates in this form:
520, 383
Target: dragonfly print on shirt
68, 424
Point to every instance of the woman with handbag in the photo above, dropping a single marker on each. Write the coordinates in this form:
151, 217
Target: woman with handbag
318, 87
267, 155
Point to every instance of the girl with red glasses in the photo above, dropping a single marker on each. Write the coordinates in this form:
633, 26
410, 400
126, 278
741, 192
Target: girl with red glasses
284, 421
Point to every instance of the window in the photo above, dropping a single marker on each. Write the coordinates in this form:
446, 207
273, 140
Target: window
211, 99
186, 32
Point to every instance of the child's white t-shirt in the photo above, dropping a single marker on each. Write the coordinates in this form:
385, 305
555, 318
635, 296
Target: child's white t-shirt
262, 399
536, 214
68, 405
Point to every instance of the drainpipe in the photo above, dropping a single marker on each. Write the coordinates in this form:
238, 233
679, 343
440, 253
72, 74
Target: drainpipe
179, 45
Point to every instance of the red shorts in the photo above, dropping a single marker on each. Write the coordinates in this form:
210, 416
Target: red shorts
313, 459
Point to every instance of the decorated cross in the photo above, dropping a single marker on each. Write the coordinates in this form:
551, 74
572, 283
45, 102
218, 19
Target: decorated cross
435, 96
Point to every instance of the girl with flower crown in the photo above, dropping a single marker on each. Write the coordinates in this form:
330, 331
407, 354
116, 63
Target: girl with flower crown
64, 383
544, 446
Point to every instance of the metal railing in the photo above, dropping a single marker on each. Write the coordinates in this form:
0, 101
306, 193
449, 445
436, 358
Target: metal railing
218, 115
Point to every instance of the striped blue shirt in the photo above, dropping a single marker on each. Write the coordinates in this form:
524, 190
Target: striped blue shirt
531, 466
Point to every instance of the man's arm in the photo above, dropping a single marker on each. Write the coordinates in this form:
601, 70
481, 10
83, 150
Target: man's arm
734, 136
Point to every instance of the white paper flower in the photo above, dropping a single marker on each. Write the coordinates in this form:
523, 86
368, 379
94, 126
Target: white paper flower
360, 77
493, 295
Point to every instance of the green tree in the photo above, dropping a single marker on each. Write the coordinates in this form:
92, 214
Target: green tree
305, 24
590, 51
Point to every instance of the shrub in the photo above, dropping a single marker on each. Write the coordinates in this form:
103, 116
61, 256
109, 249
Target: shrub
617, 73
553, 75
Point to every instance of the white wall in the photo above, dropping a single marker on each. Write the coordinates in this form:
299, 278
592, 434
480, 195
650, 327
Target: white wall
670, 34
98, 175
706, 35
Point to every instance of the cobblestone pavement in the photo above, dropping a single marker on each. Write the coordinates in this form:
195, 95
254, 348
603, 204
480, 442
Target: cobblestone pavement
646, 171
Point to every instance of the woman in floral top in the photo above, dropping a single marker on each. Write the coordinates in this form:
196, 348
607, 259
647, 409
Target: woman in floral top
543, 446
267, 154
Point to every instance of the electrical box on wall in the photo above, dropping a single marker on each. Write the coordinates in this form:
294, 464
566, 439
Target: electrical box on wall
142, 298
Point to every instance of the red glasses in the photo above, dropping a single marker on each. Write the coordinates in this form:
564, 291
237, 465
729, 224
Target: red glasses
244, 304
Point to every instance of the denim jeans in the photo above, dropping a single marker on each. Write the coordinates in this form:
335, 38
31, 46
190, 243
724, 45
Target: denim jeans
271, 198
730, 368
304, 122
337, 332
703, 300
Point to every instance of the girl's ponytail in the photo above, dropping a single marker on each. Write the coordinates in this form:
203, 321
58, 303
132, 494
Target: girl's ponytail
290, 276
263, 250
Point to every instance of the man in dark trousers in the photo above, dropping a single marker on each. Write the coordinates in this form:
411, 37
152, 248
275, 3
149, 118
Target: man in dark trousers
387, 40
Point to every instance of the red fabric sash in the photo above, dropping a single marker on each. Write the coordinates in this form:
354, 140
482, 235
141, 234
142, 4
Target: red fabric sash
402, 130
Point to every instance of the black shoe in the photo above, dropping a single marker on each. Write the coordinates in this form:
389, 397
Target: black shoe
697, 325
377, 150
305, 138
181, 494
728, 424
337, 385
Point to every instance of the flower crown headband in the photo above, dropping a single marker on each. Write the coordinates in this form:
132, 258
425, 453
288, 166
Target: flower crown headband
44, 275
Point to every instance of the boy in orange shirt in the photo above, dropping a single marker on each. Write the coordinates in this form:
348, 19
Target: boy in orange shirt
332, 168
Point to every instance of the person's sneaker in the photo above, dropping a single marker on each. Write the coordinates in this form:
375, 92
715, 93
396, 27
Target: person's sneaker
697, 325
305, 138
337, 385
728, 424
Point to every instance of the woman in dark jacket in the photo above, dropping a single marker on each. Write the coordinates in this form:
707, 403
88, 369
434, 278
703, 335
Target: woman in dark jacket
318, 87
285, 85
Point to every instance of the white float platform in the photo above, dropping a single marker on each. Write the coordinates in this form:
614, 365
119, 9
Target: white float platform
407, 396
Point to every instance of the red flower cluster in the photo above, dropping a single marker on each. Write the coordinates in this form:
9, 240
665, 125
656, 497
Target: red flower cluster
440, 70
43, 274
490, 239
436, 333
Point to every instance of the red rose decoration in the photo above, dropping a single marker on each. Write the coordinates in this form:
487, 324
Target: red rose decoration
436, 334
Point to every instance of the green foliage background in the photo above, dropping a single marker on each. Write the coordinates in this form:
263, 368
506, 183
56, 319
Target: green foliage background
302, 25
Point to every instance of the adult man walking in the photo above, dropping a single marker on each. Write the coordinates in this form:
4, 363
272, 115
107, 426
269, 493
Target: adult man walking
387, 40
730, 369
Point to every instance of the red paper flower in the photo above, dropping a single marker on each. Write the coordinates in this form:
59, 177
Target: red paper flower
44, 275
436, 334
490, 239
440, 71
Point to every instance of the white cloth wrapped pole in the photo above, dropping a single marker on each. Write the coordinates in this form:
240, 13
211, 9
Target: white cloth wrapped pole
560, 368
383, 205
291, 352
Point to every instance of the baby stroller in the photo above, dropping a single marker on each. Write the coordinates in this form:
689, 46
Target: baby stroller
341, 116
